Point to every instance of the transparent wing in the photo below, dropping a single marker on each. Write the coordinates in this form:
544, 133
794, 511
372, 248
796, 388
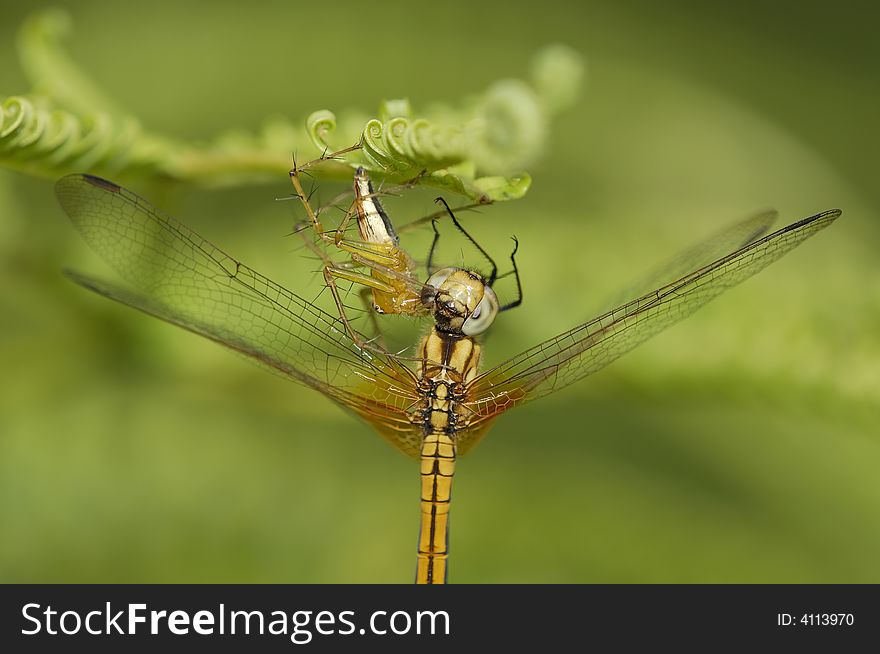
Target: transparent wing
583, 350
185, 280
729, 239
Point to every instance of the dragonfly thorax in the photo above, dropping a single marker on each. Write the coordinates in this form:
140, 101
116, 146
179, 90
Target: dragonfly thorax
449, 362
461, 301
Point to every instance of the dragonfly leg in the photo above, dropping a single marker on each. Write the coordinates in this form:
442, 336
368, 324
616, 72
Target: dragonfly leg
419, 222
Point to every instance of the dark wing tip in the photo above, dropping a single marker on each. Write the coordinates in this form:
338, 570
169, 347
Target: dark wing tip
827, 217
100, 182
72, 192
78, 178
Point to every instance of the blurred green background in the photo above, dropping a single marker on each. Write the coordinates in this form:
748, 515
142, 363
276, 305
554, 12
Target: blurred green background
740, 446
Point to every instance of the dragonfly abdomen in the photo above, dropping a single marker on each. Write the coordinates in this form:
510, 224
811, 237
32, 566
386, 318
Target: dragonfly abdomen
437, 469
448, 362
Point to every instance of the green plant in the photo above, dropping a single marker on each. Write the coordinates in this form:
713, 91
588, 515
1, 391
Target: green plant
479, 148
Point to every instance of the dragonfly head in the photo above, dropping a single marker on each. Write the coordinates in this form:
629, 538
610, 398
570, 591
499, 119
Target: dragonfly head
462, 302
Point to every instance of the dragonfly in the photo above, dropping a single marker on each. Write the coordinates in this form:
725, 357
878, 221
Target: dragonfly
433, 407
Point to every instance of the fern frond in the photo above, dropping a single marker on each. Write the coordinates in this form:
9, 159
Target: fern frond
476, 148
39, 139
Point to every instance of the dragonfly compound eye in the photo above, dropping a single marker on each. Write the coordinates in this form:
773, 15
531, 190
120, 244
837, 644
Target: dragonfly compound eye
439, 277
483, 315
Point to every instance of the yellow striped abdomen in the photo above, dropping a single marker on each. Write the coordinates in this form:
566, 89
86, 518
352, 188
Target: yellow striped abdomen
437, 468
449, 361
